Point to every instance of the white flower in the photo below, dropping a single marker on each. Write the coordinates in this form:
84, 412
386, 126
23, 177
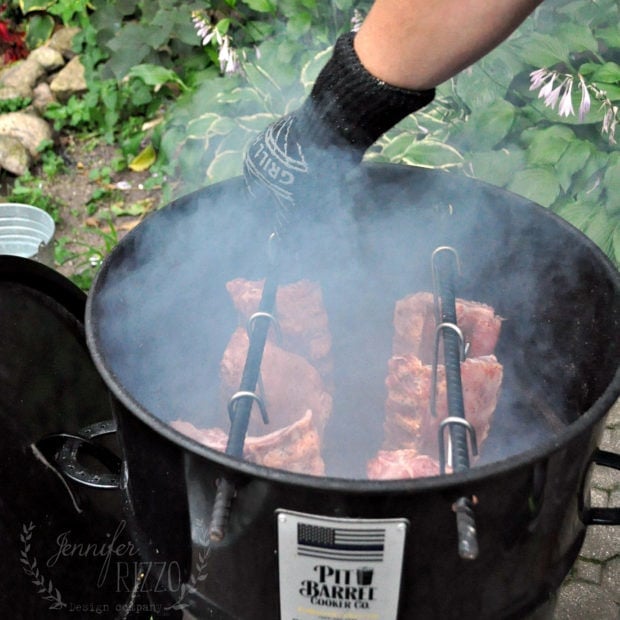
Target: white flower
566, 102
551, 98
538, 77
584, 105
228, 57
547, 88
356, 20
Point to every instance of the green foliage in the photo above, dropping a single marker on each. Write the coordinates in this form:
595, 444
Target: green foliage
14, 104
506, 135
87, 258
28, 190
485, 123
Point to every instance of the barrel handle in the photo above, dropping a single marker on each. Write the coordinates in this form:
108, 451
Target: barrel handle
62, 449
604, 516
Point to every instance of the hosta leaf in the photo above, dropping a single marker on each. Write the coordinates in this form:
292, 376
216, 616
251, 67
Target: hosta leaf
256, 122
312, 68
39, 30
210, 123
260, 6
600, 229
27, 6
477, 88
395, 149
544, 50
225, 165
496, 167
431, 154
611, 182
616, 244
610, 36
155, 75
538, 184
576, 36
492, 124
487, 126
608, 72
572, 160
299, 24
143, 160
576, 212
548, 145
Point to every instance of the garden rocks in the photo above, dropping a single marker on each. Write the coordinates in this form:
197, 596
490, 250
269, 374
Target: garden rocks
69, 80
13, 156
44, 77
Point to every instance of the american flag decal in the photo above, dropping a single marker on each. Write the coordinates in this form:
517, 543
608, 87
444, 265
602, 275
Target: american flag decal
354, 545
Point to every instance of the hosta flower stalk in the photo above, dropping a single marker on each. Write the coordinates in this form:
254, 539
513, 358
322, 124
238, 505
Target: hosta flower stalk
556, 89
209, 33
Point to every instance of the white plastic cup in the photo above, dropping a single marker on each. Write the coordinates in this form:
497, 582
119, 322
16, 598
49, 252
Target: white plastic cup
27, 231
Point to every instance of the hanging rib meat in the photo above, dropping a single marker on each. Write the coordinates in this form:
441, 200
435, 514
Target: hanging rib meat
296, 447
291, 385
408, 420
401, 464
414, 327
300, 314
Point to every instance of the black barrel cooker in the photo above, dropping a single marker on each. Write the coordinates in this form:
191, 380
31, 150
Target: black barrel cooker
159, 317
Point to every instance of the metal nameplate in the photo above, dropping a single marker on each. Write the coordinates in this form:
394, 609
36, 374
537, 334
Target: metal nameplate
332, 568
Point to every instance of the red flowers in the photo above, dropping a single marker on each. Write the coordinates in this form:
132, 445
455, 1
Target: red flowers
12, 44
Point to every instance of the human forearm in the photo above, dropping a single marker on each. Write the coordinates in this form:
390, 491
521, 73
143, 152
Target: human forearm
418, 44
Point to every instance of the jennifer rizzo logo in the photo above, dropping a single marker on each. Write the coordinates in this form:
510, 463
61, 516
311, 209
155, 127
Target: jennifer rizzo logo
116, 564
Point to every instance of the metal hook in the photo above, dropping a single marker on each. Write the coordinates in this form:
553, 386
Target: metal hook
462, 350
272, 248
264, 315
436, 251
440, 438
241, 394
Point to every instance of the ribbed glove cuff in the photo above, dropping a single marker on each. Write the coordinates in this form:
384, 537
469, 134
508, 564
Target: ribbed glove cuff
350, 107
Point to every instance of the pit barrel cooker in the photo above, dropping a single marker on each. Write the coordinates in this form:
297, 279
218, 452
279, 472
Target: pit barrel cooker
158, 319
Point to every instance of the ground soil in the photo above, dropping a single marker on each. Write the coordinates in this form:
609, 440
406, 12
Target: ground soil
85, 224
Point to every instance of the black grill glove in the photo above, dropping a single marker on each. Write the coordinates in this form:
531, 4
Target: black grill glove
297, 159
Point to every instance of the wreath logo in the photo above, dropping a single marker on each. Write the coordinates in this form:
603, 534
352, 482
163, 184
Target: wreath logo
29, 565
47, 590
201, 572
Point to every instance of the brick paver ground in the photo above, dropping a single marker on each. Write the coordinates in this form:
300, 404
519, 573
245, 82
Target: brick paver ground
592, 590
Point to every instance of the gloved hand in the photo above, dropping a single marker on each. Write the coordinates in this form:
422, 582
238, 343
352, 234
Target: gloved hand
296, 159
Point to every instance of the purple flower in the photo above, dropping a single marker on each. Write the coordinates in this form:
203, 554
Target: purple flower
547, 88
584, 105
356, 20
228, 57
566, 102
538, 77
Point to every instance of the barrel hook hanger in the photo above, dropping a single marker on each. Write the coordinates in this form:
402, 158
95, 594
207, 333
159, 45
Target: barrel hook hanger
243, 394
250, 328
462, 351
264, 315
440, 438
435, 273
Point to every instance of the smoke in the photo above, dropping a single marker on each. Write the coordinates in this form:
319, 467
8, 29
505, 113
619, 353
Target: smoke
161, 315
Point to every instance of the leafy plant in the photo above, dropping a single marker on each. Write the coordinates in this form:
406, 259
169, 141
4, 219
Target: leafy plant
510, 119
14, 104
27, 189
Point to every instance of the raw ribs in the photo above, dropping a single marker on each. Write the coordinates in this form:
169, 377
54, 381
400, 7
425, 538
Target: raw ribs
408, 421
301, 316
295, 448
291, 385
414, 327
395, 464
410, 431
